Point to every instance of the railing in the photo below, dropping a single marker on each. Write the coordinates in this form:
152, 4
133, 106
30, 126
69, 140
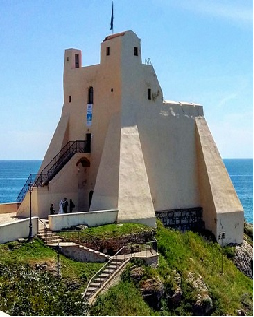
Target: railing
151, 245
55, 165
45, 229
101, 269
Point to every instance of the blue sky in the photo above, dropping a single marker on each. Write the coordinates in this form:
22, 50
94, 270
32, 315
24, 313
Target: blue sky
201, 51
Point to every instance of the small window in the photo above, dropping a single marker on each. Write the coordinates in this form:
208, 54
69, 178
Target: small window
67, 59
90, 95
135, 51
108, 51
69, 98
149, 95
77, 60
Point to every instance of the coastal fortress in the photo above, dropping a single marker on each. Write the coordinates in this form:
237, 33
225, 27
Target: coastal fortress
119, 145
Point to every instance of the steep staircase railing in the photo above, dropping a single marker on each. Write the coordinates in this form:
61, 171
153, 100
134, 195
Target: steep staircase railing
101, 270
55, 165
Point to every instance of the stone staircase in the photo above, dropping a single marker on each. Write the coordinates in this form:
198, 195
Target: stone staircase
49, 237
72, 250
105, 277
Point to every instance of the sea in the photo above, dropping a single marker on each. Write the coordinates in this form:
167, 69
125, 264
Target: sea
13, 175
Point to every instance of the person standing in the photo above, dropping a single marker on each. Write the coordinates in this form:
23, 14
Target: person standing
65, 205
72, 205
60, 207
52, 210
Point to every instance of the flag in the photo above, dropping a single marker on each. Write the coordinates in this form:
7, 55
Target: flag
112, 17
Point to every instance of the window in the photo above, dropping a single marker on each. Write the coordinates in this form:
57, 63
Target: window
77, 60
108, 51
90, 95
67, 59
135, 51
69, 98
149, 95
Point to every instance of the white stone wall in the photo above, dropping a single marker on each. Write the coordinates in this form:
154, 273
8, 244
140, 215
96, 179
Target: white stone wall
19, 229
92, 218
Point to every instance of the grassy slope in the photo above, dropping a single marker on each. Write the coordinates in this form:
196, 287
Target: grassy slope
36, 252
186, 253
110, 231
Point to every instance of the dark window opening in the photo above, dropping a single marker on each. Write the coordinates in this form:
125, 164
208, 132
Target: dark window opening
69, 98
67, 59
149, 94
135, 51
77, 60
90, 95
108, 51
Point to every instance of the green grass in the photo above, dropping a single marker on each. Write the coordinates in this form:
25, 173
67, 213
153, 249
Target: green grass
36, 252
182, 253
111, 231
121, 300
189, 252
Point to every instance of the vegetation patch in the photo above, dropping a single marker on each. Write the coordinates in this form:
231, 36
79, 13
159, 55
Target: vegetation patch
110, 238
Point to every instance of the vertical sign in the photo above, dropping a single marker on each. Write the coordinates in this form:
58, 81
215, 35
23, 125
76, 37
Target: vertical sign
89, 114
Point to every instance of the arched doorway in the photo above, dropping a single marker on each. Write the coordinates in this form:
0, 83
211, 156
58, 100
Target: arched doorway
83, 168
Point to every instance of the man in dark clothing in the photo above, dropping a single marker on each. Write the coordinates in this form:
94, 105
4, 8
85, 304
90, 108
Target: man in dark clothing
65, 205
72, 206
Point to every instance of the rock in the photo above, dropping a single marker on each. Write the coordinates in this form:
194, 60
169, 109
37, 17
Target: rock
152, 292
240, 312
176, 297
244, 259
136, 274
204, 304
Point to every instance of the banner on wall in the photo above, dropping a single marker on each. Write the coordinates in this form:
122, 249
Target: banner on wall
89, 114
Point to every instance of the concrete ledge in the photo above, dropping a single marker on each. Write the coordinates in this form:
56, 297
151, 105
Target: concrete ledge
19, 229
151, 222
91, 219
8, 207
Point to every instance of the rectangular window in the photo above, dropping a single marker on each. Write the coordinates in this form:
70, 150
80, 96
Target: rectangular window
67, 59
108, 51
149, 95
69, 98
77, 60
135, 51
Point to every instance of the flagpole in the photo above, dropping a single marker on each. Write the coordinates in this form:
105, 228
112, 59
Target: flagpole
112, 18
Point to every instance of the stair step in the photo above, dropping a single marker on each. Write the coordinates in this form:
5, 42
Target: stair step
110, 271
54, 241
100, 280
104, 275
91, 289
94, 284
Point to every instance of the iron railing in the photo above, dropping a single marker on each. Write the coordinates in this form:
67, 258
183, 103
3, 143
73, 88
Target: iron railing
55, 165
148, 247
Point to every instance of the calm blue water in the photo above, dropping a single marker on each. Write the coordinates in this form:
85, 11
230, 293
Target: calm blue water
13, 175
241, 174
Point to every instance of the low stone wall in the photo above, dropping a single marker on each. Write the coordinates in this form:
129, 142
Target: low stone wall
91, 219
8, 207
82, 254
16, 230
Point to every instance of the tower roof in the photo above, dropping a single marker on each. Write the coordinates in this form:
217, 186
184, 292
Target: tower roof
110, 37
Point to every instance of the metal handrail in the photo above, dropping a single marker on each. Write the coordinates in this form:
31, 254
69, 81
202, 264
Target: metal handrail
54, 166
101, 269
45, 228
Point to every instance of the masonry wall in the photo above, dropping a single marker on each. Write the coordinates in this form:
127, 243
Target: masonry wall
222, 210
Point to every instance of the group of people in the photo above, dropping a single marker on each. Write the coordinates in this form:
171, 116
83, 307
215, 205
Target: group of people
63, 207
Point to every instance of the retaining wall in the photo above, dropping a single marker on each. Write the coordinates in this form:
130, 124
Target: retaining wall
82, 254
8, 207
16, 230
91, 219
